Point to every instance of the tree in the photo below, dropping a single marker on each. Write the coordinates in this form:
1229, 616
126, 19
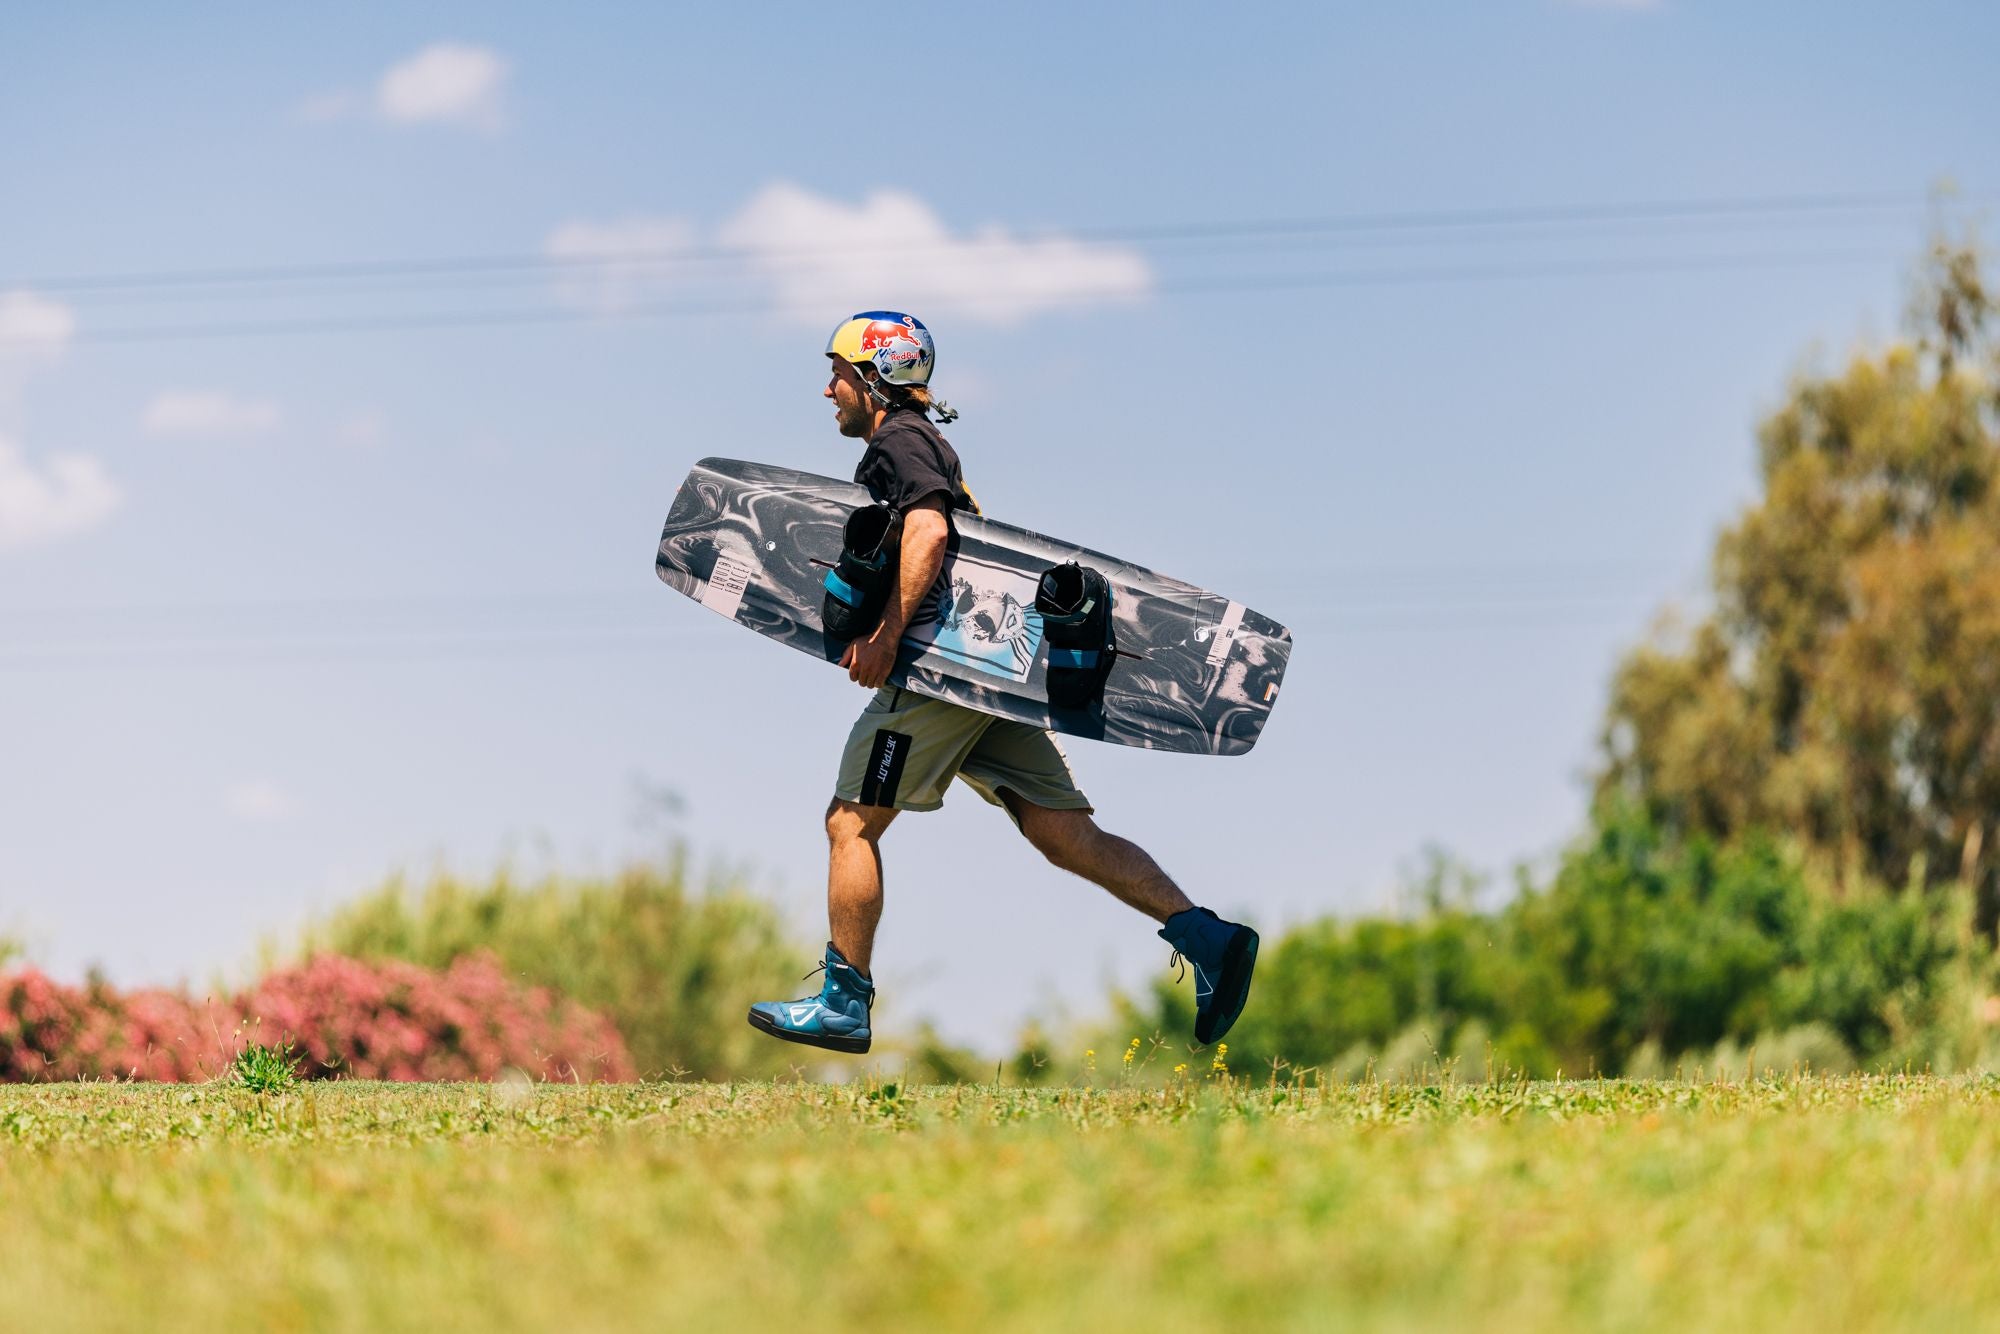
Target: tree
1846, 687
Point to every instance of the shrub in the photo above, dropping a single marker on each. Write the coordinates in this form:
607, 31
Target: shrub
1638, 939
50, 1031
343, 1017
673, 968
1640, 954
394, 1020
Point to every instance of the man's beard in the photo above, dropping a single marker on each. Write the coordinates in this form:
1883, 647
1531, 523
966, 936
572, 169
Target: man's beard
854, 422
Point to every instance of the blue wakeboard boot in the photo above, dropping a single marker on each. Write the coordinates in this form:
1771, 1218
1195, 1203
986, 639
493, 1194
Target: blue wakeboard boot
1223, 955
836, 1019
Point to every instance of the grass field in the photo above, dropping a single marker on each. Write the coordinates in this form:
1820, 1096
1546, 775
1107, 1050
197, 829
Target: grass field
1802, 1203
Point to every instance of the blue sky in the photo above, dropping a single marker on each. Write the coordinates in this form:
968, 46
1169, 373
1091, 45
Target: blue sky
284, 610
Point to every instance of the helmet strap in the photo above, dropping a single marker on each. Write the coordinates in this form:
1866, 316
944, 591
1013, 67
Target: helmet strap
945, 412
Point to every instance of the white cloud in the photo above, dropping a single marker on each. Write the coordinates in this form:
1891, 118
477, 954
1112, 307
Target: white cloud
813, 254
207, 414
446, 82
63, 494
892, 249
33, 333
31, 324
617, 263
259, 801
68, 494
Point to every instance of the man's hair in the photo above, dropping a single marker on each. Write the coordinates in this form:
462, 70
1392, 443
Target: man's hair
903, 395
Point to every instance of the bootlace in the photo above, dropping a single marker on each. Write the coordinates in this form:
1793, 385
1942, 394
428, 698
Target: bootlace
1182, 963
808, 977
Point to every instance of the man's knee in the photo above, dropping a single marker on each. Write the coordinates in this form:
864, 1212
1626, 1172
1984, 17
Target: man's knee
1062, 836
847, 820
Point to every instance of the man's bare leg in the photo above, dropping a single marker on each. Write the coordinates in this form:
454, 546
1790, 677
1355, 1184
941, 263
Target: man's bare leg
1222, 954
838, 1019
854, 877
1072, 841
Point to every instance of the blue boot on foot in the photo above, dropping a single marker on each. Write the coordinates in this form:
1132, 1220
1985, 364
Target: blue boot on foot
836, 1019
1223, 955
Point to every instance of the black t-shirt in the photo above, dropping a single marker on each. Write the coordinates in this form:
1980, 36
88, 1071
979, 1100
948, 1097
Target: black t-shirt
908, 461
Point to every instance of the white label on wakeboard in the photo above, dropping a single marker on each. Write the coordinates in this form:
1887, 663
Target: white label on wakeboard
723, 593
1223, 637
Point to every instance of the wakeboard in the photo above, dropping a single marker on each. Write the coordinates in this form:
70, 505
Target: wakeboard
1195, 672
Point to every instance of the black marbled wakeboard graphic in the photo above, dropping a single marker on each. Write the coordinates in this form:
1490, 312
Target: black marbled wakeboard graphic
1196, 672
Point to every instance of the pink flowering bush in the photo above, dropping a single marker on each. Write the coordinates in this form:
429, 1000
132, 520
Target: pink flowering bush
341, 1017
150, 1034
394, 1020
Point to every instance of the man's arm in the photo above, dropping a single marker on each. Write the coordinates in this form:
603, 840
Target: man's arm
925, 533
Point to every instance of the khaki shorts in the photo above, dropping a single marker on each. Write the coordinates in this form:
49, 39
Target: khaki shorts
905, 749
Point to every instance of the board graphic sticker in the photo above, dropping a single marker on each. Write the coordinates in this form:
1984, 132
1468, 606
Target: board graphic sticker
981, 616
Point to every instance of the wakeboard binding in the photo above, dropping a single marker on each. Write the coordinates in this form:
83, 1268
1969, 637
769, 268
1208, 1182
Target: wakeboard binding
858, 587
1075, 603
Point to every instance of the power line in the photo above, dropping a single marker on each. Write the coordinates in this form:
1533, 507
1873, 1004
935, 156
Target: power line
578, 275
1191, 286
1467, 218
1740, 208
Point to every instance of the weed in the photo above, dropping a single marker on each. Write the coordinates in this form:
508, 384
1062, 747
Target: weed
265, 1069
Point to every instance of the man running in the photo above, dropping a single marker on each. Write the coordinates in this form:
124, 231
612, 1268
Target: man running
905, 749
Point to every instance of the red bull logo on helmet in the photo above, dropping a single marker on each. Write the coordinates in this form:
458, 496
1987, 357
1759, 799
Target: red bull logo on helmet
895, 345
884, 333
